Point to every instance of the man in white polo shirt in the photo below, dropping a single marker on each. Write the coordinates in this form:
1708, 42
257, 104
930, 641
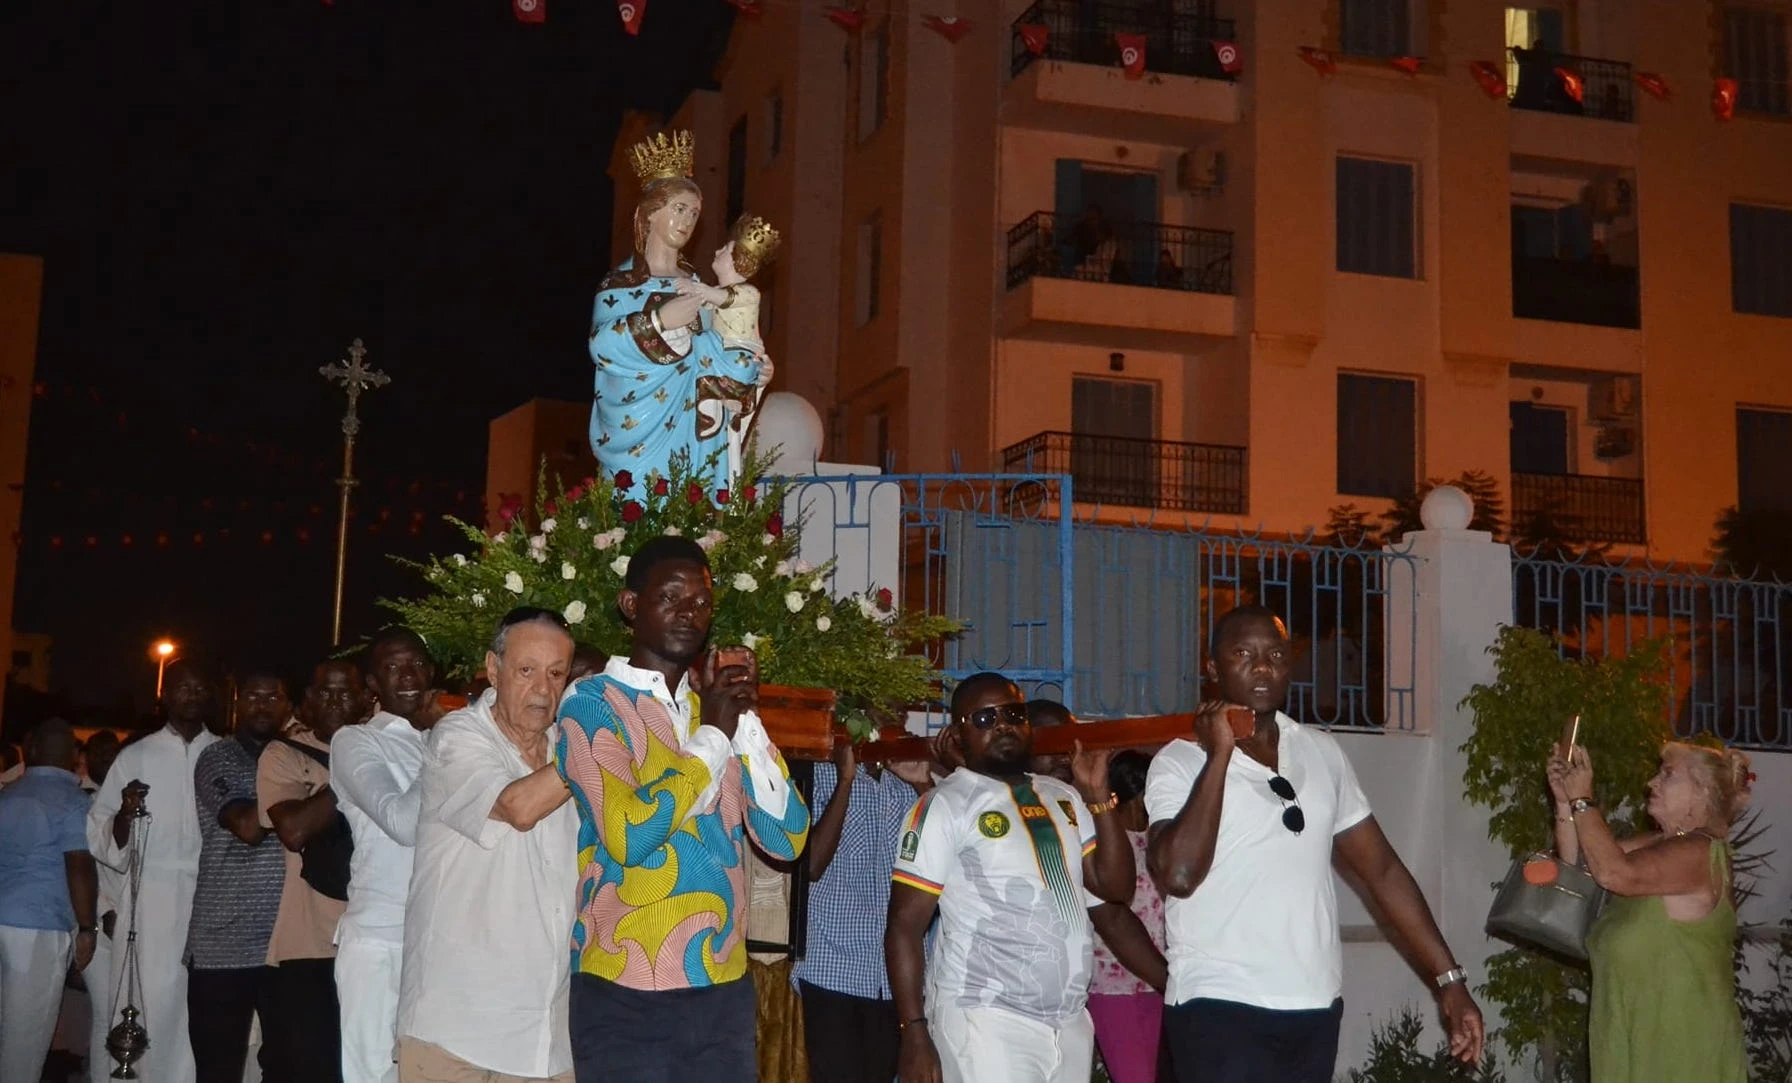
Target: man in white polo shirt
1243, 832
1005, 855
374, 771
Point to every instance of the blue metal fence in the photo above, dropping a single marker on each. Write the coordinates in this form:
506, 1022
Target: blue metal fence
1731, 639
1114, 619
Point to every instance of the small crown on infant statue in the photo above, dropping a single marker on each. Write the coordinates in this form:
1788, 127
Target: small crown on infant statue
755, 243
662, 157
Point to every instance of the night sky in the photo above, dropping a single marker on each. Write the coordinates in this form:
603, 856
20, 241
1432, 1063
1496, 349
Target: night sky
225, 194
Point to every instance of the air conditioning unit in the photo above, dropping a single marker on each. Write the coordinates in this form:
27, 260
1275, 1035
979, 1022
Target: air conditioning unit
1613, 399
1202, 171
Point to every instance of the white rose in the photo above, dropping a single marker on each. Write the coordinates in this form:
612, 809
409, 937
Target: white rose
767, 540
567, 571
803, 567
750, 641
538, 549
575, 613
673, 531
478, 600
823, 623
781, 569
867, 607
548, 525
710, 540
619, 565
498, 538
817, 585
513, 583
584, 523
460, 560
743, 581
794, 601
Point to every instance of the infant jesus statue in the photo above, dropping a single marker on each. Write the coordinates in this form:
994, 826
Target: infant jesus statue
733, 307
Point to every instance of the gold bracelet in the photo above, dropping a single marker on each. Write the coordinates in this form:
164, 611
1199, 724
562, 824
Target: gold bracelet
1109, 805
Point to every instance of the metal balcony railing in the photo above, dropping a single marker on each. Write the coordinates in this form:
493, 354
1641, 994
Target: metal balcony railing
1137, 473
1578, 507
1124, 253
1576, 291
1080, 31
1605, 85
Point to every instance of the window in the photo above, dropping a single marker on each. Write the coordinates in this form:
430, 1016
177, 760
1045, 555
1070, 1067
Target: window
1113, 448
871, 257
1763, 446
774, 124
1377, 435
874, 81
1755, 56
877, 439
1761, 260
1376, 224
737, 172
1378, 28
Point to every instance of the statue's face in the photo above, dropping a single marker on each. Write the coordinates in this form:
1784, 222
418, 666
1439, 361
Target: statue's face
673, 224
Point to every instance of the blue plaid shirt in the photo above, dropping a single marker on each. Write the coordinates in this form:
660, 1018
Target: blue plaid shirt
847, 906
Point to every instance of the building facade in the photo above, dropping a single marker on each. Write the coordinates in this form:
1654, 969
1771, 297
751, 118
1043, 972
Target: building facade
21, 301
1253, 295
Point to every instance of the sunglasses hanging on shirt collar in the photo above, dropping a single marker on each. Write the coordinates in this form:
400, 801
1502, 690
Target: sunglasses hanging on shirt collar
1292, 817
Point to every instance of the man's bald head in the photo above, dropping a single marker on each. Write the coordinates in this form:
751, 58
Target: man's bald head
52, 744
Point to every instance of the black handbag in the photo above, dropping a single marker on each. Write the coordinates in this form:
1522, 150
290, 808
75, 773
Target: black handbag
324, 862
1552, 906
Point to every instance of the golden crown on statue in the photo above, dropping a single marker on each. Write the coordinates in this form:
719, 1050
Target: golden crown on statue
755, 243
663, 156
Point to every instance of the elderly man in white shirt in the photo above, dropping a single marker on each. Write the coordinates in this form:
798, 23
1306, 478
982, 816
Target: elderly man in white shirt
156, 774
374, 773
484, 993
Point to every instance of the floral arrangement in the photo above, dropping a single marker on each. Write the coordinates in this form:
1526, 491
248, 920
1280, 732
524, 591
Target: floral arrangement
572, 554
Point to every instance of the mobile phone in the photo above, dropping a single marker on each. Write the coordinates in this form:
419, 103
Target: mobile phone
734, 656
1571, 735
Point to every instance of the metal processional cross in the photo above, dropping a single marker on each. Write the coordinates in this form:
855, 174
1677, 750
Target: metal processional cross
355, 377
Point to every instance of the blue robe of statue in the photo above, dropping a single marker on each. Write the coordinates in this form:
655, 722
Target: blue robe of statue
658, 393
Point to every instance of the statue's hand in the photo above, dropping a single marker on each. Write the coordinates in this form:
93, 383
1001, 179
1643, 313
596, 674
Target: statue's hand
765, 369
709, 295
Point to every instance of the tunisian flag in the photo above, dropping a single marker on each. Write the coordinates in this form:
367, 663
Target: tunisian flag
530, 11
631, 12
1132, 54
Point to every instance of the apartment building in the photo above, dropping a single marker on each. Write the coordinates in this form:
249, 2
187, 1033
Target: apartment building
1251, 295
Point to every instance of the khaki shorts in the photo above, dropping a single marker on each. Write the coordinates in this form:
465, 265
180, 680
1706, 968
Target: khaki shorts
421, 1062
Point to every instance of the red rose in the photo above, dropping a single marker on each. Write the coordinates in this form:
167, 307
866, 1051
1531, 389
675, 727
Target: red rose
577, 492
884, 598
551, 508
509, 505
775, 525
631, 512
721, 496
624, 480
694, 494
660, 487
751, 494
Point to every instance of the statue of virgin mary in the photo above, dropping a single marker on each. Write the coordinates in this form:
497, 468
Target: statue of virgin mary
666, 384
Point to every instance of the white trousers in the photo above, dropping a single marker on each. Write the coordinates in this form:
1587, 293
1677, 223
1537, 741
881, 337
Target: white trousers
367, 973
993, 1045
33, 970
98, 979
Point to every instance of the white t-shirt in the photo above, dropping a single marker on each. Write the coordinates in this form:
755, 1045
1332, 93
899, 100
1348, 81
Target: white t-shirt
1014, 921
374, 769
1262, 929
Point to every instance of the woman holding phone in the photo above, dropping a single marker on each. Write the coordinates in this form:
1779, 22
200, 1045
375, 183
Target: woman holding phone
1664, 989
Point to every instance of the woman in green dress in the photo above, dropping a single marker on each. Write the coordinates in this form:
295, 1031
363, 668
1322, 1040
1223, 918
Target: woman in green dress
1664, 987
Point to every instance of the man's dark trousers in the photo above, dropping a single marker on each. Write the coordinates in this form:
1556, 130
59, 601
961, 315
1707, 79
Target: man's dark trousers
671, 1036
221, 1004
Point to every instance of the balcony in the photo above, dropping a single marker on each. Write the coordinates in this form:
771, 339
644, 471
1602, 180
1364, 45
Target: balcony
1131, 472
1605, 85
1076, 81
1578, 508
1576, 291
1144, 285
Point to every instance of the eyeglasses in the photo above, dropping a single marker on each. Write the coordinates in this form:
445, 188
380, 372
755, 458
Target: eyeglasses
1015, 714
1292, 817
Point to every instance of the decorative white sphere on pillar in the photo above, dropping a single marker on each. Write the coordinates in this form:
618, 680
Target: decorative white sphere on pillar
1446, 508
790, 431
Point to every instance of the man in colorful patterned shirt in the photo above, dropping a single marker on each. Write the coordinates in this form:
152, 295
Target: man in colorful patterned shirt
670, 783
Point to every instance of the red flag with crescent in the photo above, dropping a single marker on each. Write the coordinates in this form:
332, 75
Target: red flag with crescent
1322, 62
631, 12
1034, 35
848, 19
1407, 64
1571, 84
1132, 54
1488, 74
1723, 98
529, 11
752, 9
950, 27
1231, 60
1653, 85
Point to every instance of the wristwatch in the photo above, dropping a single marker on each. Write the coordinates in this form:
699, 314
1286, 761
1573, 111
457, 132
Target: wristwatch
1580, 805
1450, 977
83, 929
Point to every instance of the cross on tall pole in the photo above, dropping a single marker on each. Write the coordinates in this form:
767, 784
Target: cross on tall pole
355, 377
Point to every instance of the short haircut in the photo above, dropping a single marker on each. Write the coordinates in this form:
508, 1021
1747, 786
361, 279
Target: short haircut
973, 684
526, 614
1048, 712
1127, 772
103, 737
51, 743
660, 550
392, 635
198, 667
262, 670
1233, 616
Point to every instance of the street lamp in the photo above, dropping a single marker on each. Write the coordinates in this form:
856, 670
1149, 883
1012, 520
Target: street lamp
163, 649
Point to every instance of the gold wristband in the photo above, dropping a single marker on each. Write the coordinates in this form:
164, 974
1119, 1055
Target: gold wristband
1109, 805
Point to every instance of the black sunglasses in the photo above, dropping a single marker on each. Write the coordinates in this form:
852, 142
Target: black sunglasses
1015, 714
1292, 817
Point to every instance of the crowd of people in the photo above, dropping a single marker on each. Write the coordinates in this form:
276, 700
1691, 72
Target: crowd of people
553, 882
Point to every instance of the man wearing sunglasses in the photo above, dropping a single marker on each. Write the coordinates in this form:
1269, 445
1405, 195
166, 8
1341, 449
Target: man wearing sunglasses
1013, 861
1243, 834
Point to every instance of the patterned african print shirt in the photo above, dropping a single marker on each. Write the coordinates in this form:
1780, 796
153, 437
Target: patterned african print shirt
665, 810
